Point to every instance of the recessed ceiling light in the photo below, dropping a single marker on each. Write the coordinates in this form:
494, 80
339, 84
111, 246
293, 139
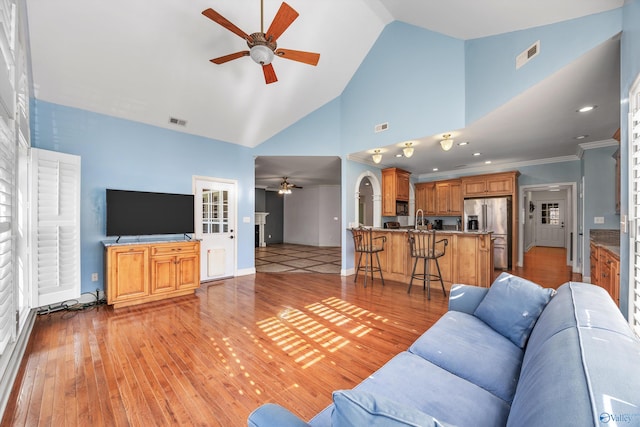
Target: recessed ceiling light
586, 108
398, 155
463, 143
477, 154
581, 137
435, 169
488, 162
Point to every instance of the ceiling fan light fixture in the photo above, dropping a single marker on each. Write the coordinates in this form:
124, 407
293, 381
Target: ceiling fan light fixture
447, 142
261, 54
376, 156
408, 149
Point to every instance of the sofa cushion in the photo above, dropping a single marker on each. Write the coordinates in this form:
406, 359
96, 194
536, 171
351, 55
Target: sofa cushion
356, 408
467, 347
420, 384
512, 306
581, 347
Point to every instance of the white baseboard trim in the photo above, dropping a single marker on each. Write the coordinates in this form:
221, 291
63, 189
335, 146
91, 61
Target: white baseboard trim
586, 279
15, 359
347, 272
246, 271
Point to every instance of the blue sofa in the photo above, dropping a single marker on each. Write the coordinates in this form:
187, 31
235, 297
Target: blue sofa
514, 354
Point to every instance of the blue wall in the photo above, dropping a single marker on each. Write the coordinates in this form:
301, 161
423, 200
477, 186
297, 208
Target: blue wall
127, 155
413, 79
492, 78
317, 134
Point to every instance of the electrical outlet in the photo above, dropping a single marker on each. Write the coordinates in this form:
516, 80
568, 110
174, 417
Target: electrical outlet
598, 220
94, 277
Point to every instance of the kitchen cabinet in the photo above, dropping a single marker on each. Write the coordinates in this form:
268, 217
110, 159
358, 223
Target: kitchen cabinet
473, 259
395, 192
468, 258
138, 273
426, 198
605, 270
449, 200
490, 185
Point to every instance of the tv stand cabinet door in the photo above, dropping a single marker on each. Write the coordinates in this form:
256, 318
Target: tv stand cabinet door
128, 273
163, 274
188, 272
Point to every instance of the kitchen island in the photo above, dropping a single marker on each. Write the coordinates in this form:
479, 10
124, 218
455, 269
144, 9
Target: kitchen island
468, 258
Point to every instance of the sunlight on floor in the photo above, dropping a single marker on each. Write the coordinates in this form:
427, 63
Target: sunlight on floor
304, 337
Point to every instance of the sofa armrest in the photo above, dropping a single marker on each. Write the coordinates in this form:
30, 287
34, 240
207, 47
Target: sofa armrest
272, 415
466, 298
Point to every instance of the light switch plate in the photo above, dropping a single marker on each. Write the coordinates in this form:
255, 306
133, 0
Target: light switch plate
246, 219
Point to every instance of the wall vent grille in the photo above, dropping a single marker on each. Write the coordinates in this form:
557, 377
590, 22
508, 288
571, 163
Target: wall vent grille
179, 122
528, 54
381, 127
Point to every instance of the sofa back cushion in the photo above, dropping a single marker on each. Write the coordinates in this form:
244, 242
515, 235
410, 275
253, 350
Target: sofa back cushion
512, 307
580, 365
358, 408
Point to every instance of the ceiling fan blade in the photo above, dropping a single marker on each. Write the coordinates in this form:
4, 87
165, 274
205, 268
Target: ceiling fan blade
300, 56
269, 74
216, 17
285, 16
230, 57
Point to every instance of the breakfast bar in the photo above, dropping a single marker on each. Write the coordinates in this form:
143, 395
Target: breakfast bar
468, 257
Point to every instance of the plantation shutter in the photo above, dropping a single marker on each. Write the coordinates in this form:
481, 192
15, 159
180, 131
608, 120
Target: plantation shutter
8, 326
7, 304
634, 207
56, 226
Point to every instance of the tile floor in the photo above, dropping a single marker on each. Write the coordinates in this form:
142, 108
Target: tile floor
291, 258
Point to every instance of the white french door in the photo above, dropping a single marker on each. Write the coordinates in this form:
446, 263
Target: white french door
634, 206
215, 225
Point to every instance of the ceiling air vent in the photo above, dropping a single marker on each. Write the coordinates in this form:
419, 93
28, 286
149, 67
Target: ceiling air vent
178, 122
528, 54
381, 127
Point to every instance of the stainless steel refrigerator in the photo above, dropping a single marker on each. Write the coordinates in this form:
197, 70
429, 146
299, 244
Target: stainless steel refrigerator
492, 214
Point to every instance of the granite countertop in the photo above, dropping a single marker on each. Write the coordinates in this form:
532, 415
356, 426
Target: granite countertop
607, 239
143, 241
404, 230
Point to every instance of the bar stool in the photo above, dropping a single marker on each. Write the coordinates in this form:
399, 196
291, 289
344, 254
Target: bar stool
367, 245
425, 246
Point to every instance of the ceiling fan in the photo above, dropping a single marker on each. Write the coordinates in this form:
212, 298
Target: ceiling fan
262, 46
285, 186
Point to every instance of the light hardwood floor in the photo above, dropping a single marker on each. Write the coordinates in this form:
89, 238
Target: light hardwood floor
211, 358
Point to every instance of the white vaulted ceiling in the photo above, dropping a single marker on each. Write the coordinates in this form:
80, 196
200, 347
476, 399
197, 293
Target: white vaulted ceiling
148, 61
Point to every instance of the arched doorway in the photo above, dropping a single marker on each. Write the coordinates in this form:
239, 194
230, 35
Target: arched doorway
372, 196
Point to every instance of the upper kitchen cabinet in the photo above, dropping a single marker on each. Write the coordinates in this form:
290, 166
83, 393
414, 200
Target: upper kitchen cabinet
449, 200
496, 184
426, 197
395, 192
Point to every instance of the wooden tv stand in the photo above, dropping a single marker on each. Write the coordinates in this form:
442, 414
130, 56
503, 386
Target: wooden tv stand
141, 272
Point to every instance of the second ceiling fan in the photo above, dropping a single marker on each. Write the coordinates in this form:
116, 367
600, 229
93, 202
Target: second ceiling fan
262, 46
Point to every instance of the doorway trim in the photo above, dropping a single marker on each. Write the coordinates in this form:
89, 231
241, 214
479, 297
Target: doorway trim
377, 199
572, 211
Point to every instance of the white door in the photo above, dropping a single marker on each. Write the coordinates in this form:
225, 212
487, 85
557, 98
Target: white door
550, 229
215, 221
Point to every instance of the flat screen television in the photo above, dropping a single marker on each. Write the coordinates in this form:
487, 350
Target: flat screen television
138, 213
